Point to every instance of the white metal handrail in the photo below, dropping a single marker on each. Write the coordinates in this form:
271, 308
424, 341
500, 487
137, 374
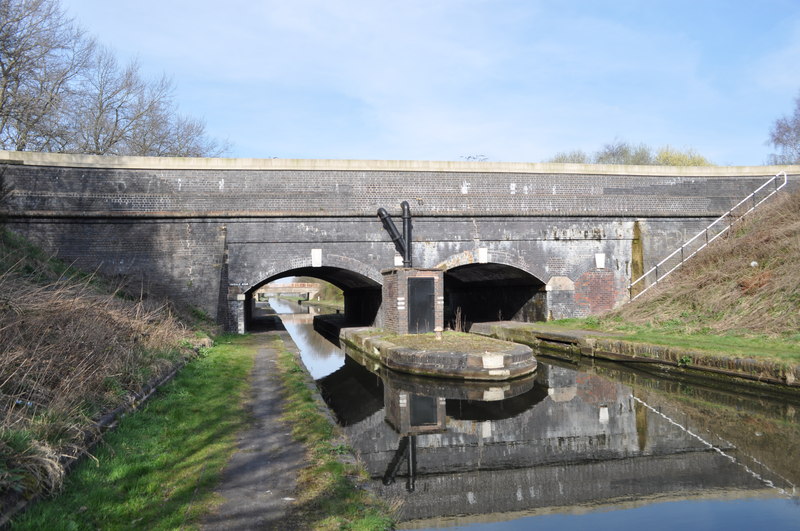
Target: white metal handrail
682, 250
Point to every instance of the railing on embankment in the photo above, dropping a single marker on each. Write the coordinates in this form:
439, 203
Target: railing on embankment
702, 239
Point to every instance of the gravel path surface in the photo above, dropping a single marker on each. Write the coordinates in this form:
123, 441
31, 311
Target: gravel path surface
259, 481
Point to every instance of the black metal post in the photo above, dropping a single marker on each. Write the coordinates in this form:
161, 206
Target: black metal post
412, 464
402, 242
388, 224
406, 233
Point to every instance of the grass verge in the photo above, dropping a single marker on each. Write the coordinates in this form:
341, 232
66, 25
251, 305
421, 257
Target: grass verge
72, 349
775, 349
158, 469
327, 497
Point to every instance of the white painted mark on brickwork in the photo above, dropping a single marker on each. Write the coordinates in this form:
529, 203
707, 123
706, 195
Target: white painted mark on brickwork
483, 255
525, 189
492, 361
316, 257
512, 188
465, 187
180, 183
486, 429
221, 184
600, 260
493, 393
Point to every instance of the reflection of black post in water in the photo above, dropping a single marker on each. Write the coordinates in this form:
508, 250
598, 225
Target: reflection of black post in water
412, 463
406, 449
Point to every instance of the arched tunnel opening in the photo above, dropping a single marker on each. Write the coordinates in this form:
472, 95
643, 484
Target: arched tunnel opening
479, 293
362, 295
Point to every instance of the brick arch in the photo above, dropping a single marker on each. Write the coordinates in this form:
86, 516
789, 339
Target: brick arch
495, 257
499, 288
280, 269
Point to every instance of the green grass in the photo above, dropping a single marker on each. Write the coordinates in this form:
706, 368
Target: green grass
450, 341
672, 334
758, 347
158, 469
327, 497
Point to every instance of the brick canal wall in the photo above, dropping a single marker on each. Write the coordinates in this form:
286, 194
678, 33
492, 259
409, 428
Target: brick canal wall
209, 231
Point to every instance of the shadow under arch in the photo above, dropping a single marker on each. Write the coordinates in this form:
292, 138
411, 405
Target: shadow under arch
362, 295
476, 293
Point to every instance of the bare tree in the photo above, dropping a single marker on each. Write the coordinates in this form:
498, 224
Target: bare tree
60, 92
619, 152
785, 136
41, 52
162, 132
110, 105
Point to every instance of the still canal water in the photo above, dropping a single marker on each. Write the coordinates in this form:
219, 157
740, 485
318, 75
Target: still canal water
573, 447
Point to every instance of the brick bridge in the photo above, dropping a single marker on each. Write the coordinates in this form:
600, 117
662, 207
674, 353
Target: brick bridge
309, 290
516, 240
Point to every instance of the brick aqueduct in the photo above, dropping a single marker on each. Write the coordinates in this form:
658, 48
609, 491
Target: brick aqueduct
516, 240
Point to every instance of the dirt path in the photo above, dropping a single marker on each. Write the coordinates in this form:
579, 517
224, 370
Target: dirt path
259, 481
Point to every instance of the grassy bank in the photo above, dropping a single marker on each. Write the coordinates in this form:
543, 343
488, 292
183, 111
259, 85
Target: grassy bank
158, 469
72, 348
327, 495
739, 297
777, 349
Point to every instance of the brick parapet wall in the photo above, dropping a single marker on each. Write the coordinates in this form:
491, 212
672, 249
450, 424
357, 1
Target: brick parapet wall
589, 190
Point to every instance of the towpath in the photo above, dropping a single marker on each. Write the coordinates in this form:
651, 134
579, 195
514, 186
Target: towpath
259, 481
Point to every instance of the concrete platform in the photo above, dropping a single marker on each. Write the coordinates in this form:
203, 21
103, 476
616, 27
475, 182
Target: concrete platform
457, 355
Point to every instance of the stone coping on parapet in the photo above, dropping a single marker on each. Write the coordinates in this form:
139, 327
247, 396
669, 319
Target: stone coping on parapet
456, 356
614, 347
32, 158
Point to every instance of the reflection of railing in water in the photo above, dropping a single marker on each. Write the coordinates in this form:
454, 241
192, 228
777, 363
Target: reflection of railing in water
766, 481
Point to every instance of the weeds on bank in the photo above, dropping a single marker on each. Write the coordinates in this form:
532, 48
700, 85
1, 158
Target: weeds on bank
69, 352
158, 469
327, 497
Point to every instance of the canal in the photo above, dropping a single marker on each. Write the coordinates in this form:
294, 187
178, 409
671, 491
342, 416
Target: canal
575, 446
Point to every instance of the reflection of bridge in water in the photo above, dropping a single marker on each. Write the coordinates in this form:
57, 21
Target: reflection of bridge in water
298, 319
570, 439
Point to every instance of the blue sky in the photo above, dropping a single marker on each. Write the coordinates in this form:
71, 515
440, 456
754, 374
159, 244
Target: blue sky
441, 80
